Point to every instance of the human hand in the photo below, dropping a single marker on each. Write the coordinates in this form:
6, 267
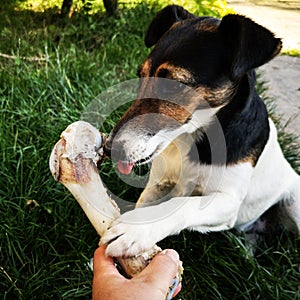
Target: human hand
151, 284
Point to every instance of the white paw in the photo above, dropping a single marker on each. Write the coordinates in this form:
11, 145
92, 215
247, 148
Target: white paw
127, 238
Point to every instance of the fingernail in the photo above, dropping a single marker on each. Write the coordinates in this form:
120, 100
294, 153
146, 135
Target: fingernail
172, 254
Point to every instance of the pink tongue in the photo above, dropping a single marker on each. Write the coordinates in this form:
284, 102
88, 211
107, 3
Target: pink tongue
125, 167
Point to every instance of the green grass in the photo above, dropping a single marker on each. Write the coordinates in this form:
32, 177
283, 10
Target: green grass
44, 248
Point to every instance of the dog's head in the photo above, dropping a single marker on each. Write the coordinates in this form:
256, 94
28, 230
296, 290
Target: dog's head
196, 62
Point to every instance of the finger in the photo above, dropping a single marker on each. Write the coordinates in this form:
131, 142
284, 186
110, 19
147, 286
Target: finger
104, 264
162, 269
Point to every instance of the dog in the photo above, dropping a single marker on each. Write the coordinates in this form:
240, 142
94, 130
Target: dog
214, 167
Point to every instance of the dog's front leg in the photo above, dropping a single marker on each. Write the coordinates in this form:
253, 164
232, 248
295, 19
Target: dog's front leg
139, 229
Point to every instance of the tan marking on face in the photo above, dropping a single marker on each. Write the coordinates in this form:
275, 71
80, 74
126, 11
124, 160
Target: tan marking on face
145, 68
178, 110
175, 73
182, 105
144, 72
216, 97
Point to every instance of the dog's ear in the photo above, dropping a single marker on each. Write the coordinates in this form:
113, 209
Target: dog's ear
163, 21
248, 45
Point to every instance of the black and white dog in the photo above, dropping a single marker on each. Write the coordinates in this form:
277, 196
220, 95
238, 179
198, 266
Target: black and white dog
200, 179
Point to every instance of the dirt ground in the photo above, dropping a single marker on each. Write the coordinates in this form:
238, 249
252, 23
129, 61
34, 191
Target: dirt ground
282, 74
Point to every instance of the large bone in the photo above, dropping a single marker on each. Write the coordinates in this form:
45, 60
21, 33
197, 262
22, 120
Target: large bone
73, 162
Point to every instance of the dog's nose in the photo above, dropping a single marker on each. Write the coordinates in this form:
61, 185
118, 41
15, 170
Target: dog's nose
115, 150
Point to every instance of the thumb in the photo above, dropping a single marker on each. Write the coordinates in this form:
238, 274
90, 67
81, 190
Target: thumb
161, 270
103, 264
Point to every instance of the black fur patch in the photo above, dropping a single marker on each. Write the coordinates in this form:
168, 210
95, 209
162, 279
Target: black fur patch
245, 127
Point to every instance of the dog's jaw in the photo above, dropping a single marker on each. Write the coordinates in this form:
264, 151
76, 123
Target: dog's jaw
136, 149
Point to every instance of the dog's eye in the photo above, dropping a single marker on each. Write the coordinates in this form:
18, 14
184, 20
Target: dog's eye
179, 86
171, 87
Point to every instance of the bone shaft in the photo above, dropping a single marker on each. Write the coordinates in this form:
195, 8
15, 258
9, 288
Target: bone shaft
89, 191
100, 221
